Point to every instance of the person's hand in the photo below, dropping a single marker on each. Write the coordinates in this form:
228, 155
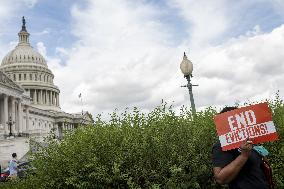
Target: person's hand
246, 147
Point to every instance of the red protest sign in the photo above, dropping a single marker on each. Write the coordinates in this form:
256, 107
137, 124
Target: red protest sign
254, 122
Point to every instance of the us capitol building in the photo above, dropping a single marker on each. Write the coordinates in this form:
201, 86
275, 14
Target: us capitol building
29, 100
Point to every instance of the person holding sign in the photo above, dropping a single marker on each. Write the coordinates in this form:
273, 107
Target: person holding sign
240, 168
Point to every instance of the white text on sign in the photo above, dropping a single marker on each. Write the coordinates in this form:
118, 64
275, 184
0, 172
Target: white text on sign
244, 125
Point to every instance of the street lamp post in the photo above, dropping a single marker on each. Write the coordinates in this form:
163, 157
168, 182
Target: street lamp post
10, 123
187, 68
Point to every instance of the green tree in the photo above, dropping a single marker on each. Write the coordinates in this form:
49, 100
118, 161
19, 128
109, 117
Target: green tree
161, 149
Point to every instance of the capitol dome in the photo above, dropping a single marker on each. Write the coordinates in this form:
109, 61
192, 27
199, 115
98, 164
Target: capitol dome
28, 68
23, 54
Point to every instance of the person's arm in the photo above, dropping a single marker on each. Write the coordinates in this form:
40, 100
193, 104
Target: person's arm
226, 174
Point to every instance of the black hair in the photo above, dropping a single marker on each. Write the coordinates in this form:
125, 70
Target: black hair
228, 108
14, 155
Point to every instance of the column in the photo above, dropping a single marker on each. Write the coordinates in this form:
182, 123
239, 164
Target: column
35, 97
40, 94
57, 103
61, 131
55, 99
58, 99
52, 98
38, 97
57, 132
13, 114
2, 112
27, 119
30, 93
44, 96
6, 115
20, 117
47, 98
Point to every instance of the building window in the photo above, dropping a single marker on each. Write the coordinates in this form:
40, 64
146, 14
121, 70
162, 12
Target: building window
20, 77
31, 77
25, 77
14, 77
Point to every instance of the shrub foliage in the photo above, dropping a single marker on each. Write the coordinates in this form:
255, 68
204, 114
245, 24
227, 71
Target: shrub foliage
135, 150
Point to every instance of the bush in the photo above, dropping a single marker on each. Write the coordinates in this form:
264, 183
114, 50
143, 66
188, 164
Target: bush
135, 150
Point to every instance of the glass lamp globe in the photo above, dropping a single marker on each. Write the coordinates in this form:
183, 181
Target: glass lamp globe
186, 66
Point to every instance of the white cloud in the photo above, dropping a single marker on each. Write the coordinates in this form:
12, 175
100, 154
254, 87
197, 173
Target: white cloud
123, 59
41, 49
207, 20
249, 67
30, 3
44, 32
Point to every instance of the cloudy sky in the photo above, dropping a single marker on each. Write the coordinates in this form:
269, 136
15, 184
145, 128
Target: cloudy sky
125, 53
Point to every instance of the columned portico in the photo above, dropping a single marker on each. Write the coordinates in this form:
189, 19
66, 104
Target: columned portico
11, 111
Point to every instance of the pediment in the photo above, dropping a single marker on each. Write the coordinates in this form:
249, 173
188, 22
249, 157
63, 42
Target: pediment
6, 81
